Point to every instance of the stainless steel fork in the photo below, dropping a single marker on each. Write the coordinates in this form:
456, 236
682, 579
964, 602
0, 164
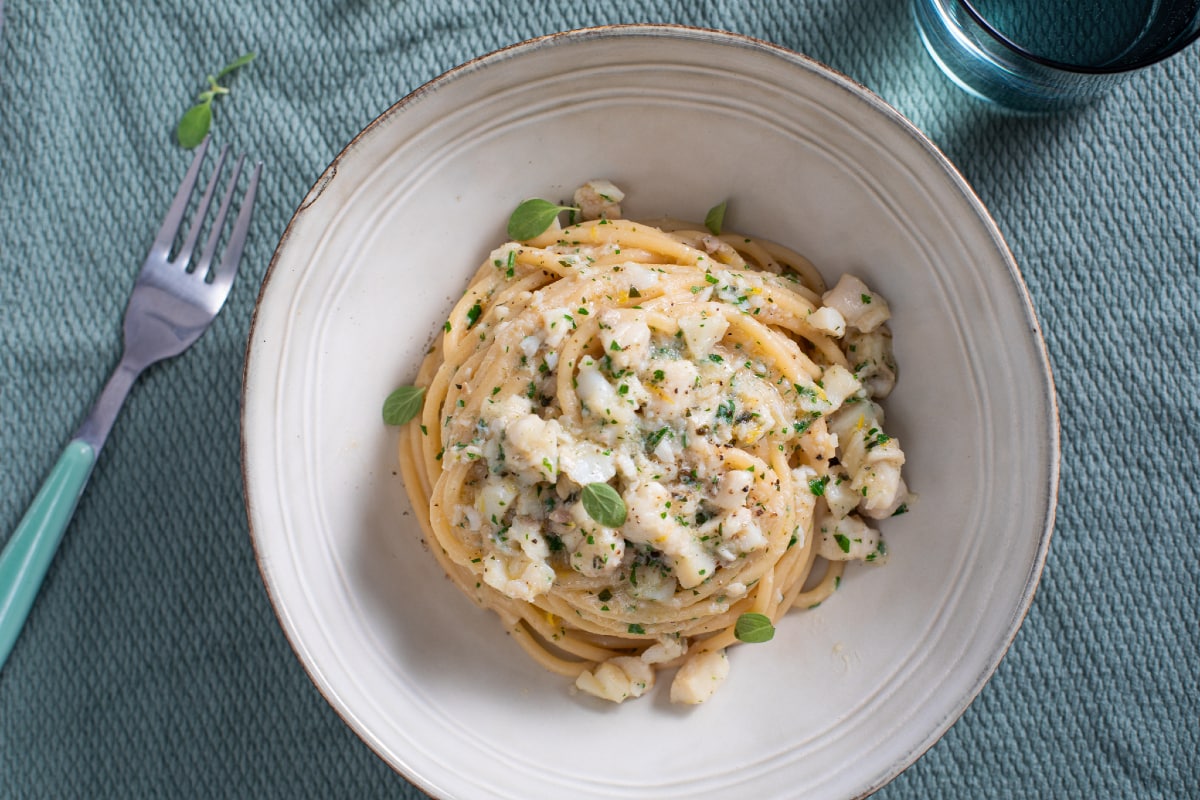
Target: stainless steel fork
174, 300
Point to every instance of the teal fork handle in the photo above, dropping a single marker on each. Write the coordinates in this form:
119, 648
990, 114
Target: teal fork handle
27, 555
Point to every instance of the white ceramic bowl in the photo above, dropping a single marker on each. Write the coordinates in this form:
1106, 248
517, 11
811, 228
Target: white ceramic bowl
846, 695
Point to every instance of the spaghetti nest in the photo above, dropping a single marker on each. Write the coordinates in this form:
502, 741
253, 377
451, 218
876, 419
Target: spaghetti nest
638, 440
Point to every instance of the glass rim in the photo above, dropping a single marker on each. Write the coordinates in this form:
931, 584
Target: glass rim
1065, 66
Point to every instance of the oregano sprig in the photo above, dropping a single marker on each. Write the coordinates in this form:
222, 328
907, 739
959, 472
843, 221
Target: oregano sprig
402, 405
715, 218
531, 219
603, 504
196, 121
754, 628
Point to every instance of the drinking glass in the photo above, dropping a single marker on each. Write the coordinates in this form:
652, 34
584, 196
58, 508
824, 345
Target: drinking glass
1040, 55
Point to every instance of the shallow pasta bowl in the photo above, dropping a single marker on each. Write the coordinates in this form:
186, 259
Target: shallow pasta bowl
848, 694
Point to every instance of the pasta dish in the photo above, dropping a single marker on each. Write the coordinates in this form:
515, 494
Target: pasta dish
640, 444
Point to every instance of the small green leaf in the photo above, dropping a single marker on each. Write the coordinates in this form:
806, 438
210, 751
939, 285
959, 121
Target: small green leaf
603, 504
636, 629
473, 314
194, 124
715, 218
842, 541
531, 219
240, 62
197, 120
403, 404
754, 628
817, 485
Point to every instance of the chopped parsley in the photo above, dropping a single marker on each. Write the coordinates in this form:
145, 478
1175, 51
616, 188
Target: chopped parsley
653, 439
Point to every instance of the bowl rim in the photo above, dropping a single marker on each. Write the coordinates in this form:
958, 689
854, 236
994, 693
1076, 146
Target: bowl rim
712, 35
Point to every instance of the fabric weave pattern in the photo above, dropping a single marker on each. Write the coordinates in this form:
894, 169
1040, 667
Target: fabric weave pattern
153, 665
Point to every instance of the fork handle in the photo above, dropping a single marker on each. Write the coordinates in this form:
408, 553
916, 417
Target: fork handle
29, 551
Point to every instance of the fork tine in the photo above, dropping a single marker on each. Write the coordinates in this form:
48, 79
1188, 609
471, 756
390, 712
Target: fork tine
185, 253
214, 233
166, 234
224, 274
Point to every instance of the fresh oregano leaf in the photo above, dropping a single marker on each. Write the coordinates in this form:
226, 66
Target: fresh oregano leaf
603, 504
196, 121
754, 628
403, 404
531, 219
194, 124
715, 218
240, 61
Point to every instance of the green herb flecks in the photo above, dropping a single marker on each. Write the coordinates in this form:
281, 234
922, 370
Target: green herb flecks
878, 553
876, 438
725, 410
402, 404
473, 314
652, 441
196, 121
531, 219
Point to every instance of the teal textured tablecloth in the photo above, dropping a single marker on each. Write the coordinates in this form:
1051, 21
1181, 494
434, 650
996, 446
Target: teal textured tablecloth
152, 664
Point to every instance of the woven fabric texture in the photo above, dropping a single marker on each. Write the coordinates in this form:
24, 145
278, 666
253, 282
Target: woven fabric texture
152, 664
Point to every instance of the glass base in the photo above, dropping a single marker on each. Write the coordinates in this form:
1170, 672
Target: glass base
986, 69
